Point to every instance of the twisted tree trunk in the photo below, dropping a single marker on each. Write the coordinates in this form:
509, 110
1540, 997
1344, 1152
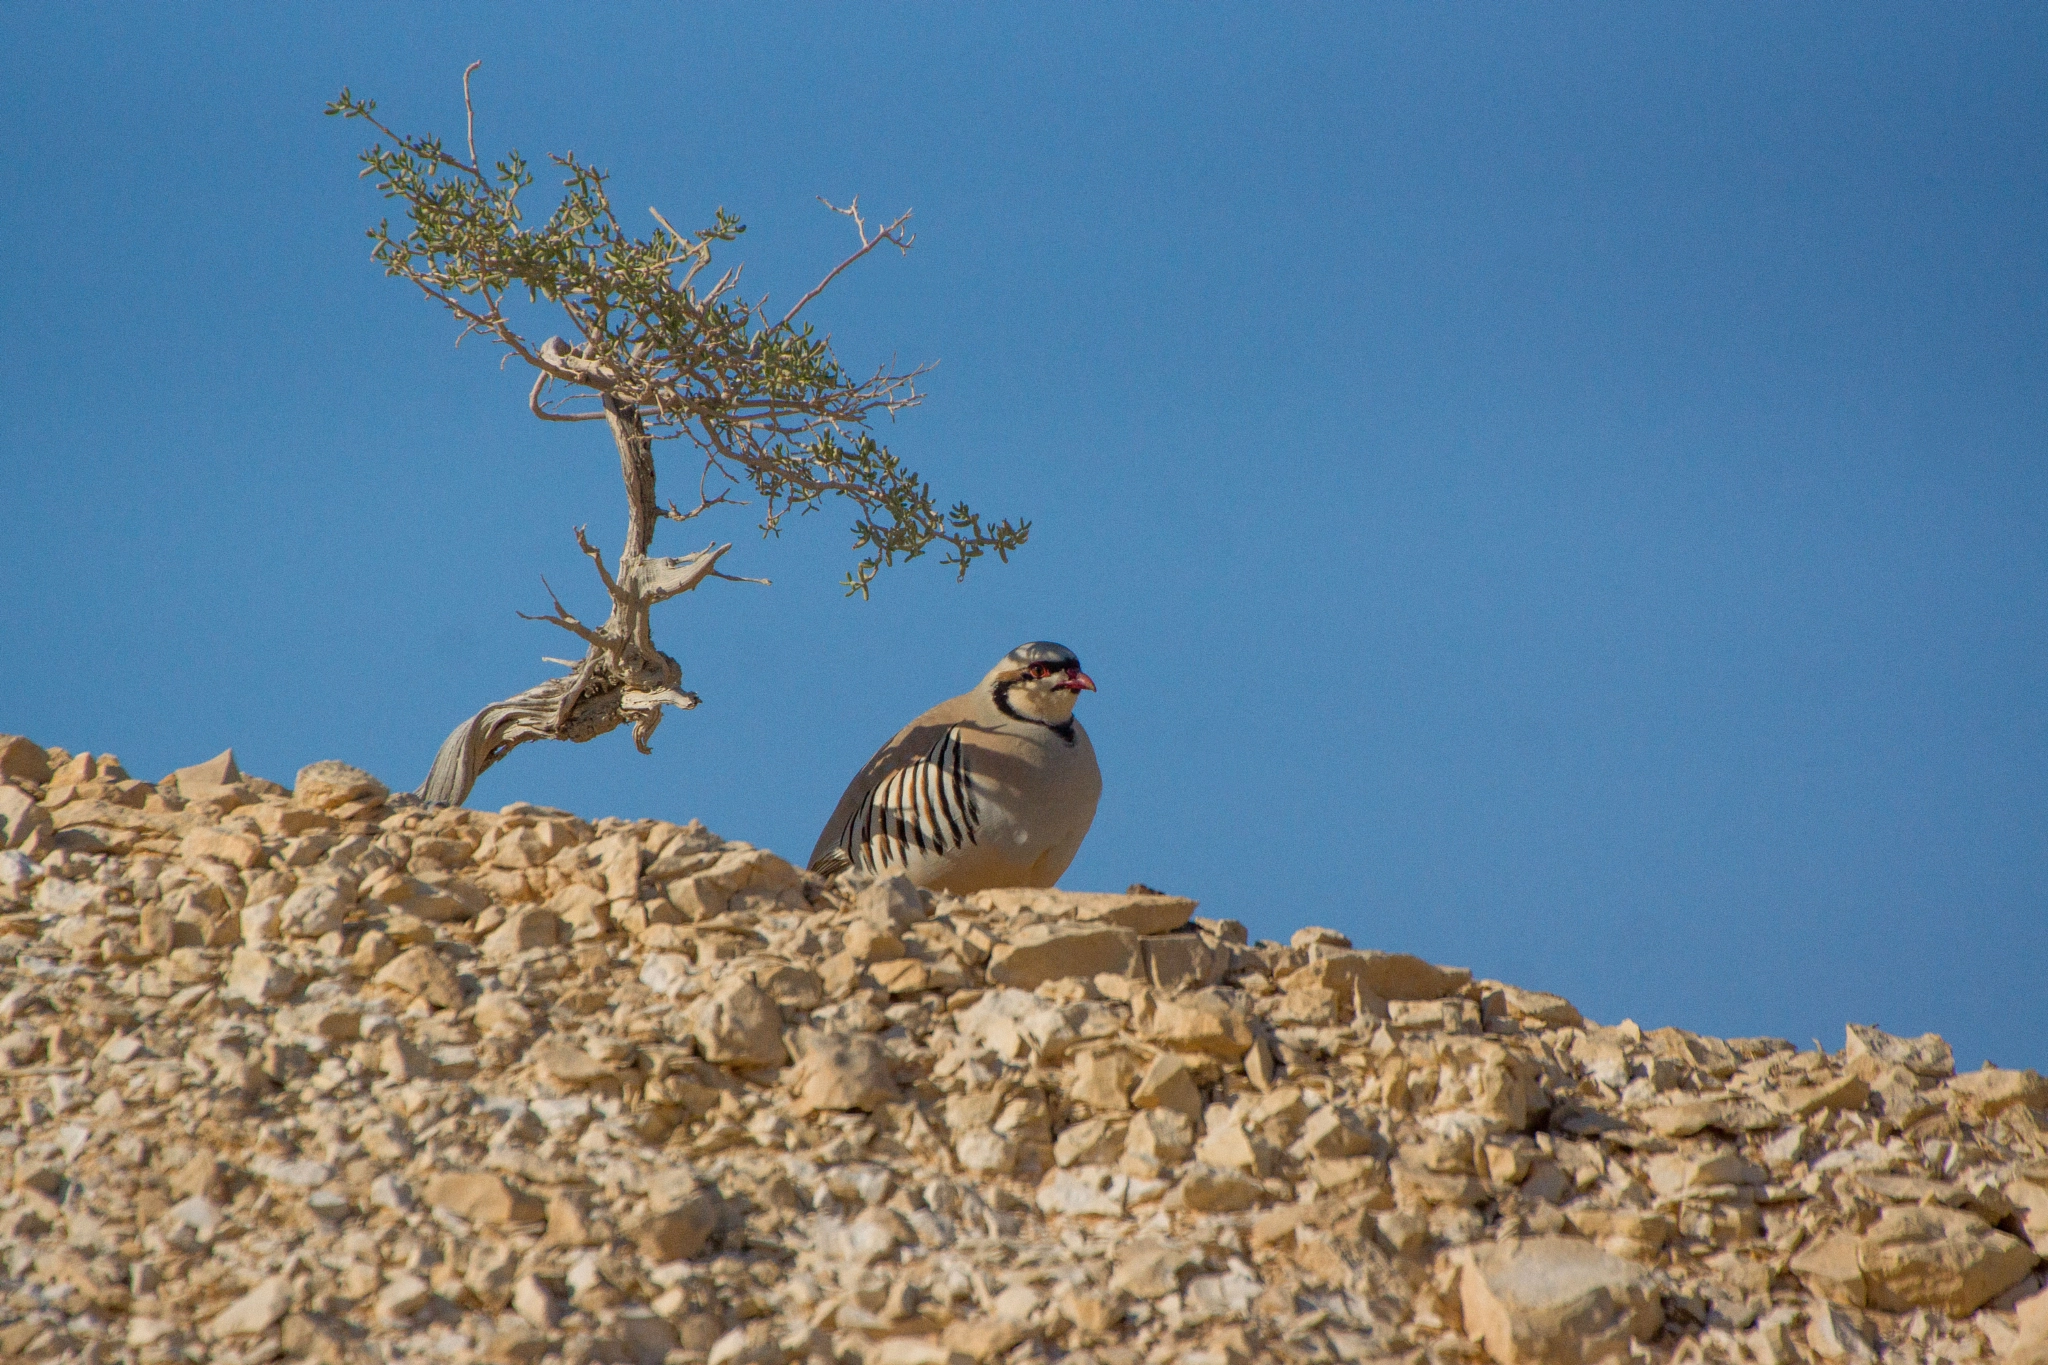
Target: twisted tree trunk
622, 678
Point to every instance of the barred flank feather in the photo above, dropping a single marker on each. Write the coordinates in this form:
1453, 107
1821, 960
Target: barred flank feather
927, 805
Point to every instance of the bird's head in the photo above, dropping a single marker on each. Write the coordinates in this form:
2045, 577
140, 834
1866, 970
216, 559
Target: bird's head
1039, 681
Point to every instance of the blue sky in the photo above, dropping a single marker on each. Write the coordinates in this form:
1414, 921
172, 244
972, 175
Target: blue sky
1554, 489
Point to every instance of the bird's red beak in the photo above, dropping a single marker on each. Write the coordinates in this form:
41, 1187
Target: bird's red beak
1077, 681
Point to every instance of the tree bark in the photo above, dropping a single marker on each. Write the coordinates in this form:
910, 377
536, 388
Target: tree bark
622, 678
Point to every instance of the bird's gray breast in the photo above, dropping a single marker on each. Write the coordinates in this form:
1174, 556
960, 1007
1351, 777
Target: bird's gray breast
1037, 789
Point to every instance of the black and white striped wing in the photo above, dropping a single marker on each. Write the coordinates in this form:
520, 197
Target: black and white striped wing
926, 807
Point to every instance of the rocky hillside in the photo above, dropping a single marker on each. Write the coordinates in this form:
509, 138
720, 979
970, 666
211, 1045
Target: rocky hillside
322, 1074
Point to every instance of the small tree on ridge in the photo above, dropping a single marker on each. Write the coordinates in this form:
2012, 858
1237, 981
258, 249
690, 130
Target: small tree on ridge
657, 354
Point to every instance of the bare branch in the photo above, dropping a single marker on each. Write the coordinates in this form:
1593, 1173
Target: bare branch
534, 404
596, 557
562, 618
867, 244
704, 505
469, 111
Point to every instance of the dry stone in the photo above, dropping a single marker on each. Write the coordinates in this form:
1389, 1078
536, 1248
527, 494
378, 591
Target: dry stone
1993, 1091
401, 1297
259, 978
1212, 1189
23, 760
331, 785
1151, 1269
424, 973
483, 1199
1938, 1258
739, 1023
1168, 1082
256, 1311
1142, 912
1053, 952
21, 819
222, 846
843, 1072
1204, 1022
1384, 976
681, 1218
1102, 1078
1156, 1141
524, 929
1929, 1055
1540, 1007
1832, 1268
1556, 1301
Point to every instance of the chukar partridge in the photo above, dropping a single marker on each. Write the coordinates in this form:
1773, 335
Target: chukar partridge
996, 787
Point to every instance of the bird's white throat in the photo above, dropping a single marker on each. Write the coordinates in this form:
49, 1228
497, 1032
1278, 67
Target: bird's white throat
1042, 701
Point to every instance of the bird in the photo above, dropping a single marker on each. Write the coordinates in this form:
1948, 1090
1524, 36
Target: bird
996, 787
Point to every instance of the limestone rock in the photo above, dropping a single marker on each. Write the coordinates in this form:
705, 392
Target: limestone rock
1156, 1141
200, 778
568, 1064
1832, 1268
1089, 1142
1211, 1189
524, 929
1228, 1146
1685, 1118
1151, 1269
236, 850
1557, 1301
738, 1023
842, 1071
483, 1199
1929, 1055
2030, 1200
1052, 952
1938, 1258
1142, 912
1386, 976
1094, 1191
1182, 961
310, 911
1102, 1078
23, 760
422, 972
1205, 1022
24, 824
890, 902
1540, 1007
331, 785
1993, 1091
259, 978
401, 1297
681, 1220
1168, 1082
1833, 1336
1802, 1101
256, 1311
532, 1301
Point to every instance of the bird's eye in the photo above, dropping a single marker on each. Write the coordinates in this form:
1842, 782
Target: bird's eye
1040, 670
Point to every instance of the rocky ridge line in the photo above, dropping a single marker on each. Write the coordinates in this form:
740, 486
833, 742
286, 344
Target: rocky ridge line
322, 1074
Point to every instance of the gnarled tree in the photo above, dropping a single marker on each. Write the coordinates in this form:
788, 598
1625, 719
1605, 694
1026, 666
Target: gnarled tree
661, 350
